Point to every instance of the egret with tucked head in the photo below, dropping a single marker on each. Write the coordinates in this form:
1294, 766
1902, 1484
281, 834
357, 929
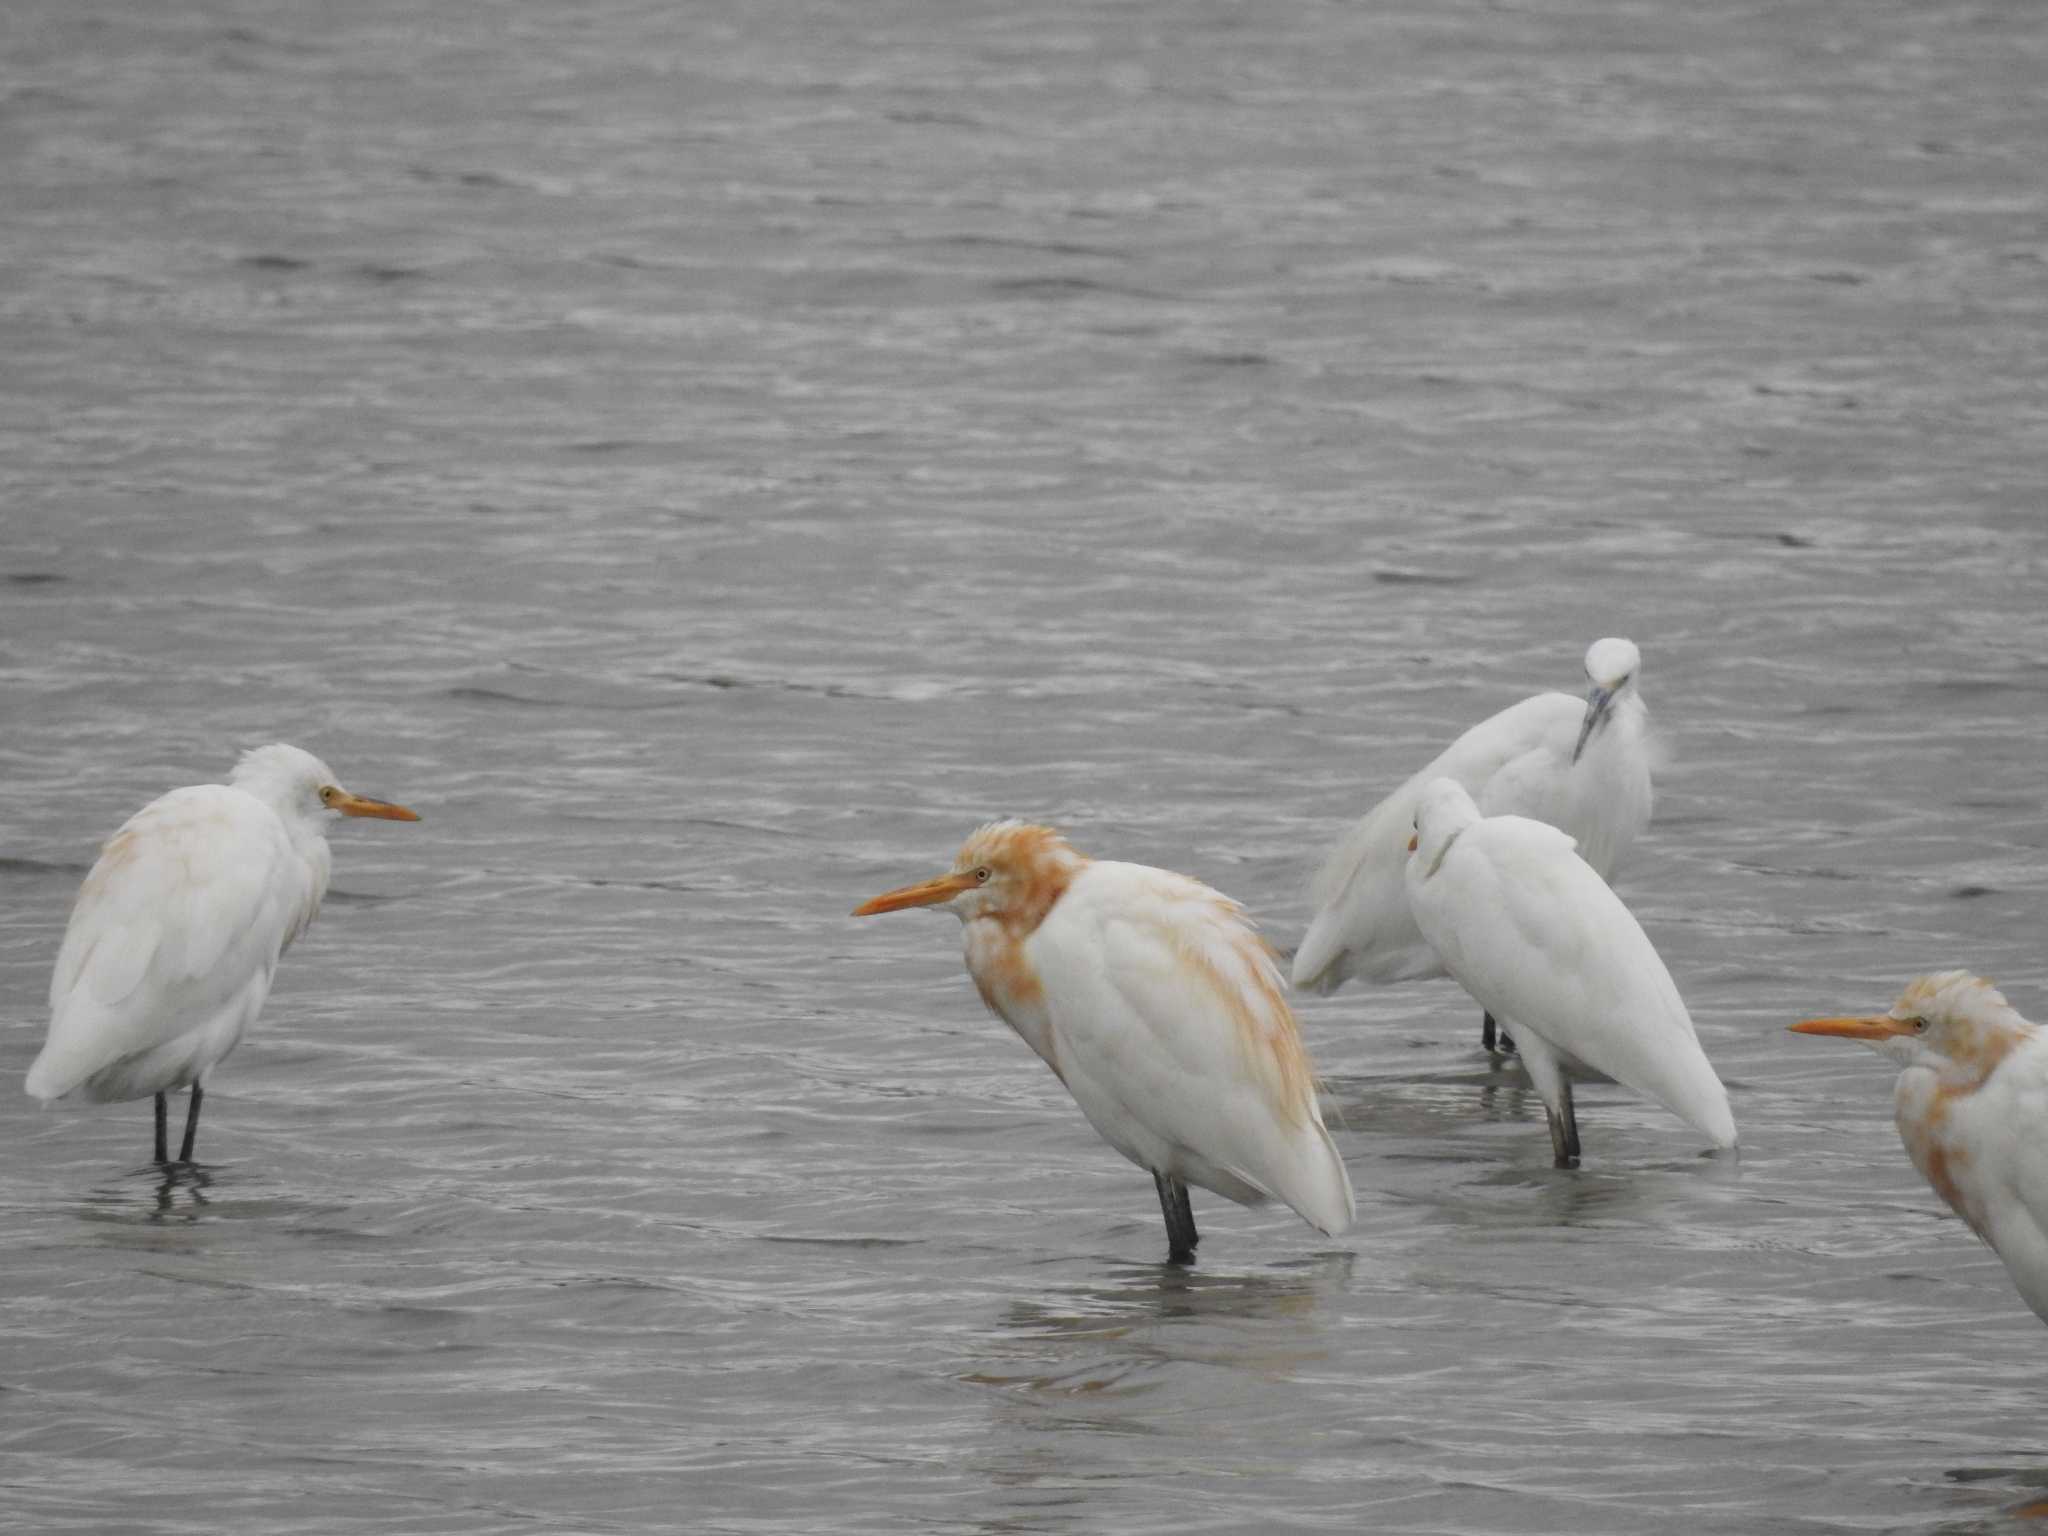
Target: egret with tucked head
1582, 765
1972, 1108
1528, 928
1151, 997
178, 928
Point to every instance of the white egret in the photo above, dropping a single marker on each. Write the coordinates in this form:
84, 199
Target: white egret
1972, 1108
1153, 999
1526, 926
178, 928
1582, 765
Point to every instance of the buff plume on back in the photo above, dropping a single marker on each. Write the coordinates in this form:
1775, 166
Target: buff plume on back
1160, 1009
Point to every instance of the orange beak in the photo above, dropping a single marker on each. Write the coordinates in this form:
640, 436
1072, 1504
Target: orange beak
1876, 1026
926, 893
384, 810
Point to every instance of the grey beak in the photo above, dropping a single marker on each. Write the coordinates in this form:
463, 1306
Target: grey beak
1596, 711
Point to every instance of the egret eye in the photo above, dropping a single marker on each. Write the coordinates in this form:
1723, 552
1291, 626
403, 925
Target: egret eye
981, 875
327, 794
1919, 1026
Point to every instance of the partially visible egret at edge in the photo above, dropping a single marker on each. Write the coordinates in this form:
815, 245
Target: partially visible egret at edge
1155, 1002
1536, 936
178, 928
1972, 1109
1582, 765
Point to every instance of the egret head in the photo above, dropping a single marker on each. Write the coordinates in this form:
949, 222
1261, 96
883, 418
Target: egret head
297, 784
1612, 665
1953, 1015
1444, 810
1009, 870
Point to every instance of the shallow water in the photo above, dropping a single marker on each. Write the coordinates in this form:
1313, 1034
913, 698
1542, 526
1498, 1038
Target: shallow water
707, 459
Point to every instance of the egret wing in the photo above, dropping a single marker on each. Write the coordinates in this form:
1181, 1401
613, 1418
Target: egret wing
1530, 930
2005, 1129
1175, 1037
190, 903
1362, 926
1603, 801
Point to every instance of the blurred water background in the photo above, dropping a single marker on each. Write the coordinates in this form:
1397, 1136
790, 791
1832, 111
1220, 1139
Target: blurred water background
708, 457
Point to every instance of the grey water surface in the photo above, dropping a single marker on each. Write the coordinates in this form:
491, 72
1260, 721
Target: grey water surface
708, 457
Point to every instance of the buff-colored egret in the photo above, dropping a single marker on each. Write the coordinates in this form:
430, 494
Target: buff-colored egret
178, 928
1582, 765
1155, 1002
1536, 936
1972, 1107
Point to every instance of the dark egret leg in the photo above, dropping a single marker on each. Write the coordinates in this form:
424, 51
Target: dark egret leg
1564, 1131
191, 1123
1181, 1236
1489, 1033
1546, 1072
163, 1121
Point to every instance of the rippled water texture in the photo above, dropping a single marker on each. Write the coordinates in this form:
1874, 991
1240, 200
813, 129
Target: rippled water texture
708, 457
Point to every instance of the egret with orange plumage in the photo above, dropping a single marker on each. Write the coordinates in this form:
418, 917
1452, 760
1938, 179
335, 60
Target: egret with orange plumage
1972, 1109
1155, 1002
178, 928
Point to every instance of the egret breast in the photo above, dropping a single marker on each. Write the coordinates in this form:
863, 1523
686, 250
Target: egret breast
1010, 987
1926, 1106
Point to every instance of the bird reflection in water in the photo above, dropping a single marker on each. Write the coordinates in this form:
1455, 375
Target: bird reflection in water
155, 1194
1156, 1316
180, 1191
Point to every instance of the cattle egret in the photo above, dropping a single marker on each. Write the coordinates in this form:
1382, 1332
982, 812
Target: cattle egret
178, 929
1582, 765
1972, 1106
1528, 928
1152, 998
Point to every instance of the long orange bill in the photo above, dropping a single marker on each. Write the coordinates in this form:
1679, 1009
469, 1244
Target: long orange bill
1876, 1026
384, 810
926, 893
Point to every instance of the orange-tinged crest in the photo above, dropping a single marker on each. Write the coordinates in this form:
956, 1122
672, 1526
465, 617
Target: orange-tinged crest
1964, 1019
1026, 868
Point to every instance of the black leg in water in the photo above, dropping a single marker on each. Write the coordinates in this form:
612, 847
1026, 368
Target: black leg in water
163, 1120
1181, 1236
191, 1123
1564, 1132
1495, 1039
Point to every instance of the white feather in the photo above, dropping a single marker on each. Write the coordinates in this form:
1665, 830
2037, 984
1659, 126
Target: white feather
1519, 762
172, 945
177, 930
1167, 1014
1998, 1153
1536, 936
